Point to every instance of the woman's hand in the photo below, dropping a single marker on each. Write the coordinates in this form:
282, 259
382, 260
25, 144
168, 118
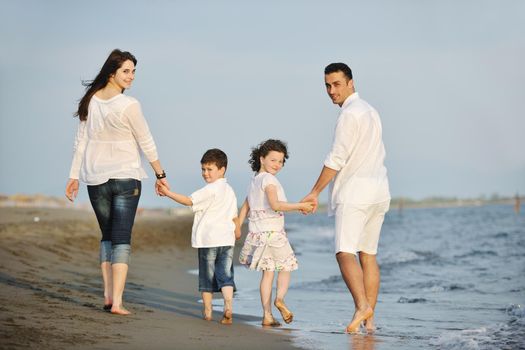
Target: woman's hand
72, 189
159, 183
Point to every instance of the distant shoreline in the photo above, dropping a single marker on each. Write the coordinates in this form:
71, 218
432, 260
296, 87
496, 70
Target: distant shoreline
44, 201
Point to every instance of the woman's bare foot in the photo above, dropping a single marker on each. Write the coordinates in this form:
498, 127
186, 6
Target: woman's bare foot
227, 317
269, 321
285, 313
359, 316
115, 310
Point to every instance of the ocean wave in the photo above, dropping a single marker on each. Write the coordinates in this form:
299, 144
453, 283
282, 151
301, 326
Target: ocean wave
517, 313
404, 300
327, 284
410, 256
510, 335
441, 286
477, 253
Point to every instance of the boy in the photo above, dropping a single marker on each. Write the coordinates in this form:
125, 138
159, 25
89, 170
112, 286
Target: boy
213, 232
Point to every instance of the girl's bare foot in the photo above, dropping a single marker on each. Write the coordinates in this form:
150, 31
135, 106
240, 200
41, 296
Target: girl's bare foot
285, 313
115, 310
227, 317
269, 321
359, 316
108, 303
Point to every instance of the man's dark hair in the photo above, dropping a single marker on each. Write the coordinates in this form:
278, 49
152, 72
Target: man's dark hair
339, 67
215, 156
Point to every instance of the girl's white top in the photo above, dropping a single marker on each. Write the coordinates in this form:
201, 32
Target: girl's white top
262, 217
107, 143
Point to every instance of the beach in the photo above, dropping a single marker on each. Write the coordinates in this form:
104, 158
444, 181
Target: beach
451, 278
51, 289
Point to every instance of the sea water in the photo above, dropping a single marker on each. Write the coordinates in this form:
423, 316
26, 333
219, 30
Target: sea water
451, 278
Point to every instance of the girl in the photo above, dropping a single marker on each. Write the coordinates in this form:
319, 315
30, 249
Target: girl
106, 158
266, 247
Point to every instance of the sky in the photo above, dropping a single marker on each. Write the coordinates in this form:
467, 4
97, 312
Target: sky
446, 77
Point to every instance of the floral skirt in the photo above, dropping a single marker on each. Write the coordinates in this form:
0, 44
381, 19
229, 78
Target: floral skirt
268, 251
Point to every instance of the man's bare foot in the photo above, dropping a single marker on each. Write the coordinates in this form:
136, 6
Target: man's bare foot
115, 310
285, 313
269, 321
227, 317
359, 316
370, 325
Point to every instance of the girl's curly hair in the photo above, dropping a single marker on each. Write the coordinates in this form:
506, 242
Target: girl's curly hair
263, 149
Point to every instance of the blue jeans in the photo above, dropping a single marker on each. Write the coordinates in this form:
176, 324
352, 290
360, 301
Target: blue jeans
215, 268
115, 204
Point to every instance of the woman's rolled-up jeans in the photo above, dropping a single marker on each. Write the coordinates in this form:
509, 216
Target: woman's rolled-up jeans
115, 204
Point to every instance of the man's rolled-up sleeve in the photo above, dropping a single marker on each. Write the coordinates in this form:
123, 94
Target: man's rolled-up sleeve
344, 142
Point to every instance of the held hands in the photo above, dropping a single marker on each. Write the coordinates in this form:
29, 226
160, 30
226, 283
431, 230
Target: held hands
161, 188
312, 199
162, 183
237, 228
72, 189
306, 207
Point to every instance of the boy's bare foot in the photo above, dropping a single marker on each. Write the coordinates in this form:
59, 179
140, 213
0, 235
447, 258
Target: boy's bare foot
206, 314
285, 313
269, 321
359, 316
115, 310
227, 317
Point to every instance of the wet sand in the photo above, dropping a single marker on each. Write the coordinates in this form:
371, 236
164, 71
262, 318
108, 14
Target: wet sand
51, 291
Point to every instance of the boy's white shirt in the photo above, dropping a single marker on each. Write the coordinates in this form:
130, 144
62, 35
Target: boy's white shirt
215, 207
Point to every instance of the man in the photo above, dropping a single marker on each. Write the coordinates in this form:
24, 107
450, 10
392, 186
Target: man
359, 193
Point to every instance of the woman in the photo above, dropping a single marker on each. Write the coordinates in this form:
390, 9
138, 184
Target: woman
106, 157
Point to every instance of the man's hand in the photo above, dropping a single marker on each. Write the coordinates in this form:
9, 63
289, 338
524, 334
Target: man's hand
313, 199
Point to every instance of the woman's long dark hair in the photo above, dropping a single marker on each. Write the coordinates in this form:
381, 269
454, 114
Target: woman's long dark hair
113, 63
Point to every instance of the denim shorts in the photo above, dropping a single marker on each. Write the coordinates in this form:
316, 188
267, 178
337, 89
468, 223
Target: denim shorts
115, 204
215, 268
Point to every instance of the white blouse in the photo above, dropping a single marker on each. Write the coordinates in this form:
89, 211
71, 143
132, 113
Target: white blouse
358, 155
107, 143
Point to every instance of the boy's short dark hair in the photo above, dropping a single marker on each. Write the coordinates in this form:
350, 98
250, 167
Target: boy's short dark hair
215, 156
339, 67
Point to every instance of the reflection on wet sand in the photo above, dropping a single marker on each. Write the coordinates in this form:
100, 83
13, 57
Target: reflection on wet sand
362, 341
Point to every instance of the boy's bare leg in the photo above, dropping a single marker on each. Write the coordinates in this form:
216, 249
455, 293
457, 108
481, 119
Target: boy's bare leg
266, 298
353, 277
207, 298
227, 295
371, 278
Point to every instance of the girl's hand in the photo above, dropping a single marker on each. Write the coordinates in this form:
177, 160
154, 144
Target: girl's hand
306, 207
72, 189
311, 198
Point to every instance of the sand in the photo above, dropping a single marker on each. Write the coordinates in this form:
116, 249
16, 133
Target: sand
51, 292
